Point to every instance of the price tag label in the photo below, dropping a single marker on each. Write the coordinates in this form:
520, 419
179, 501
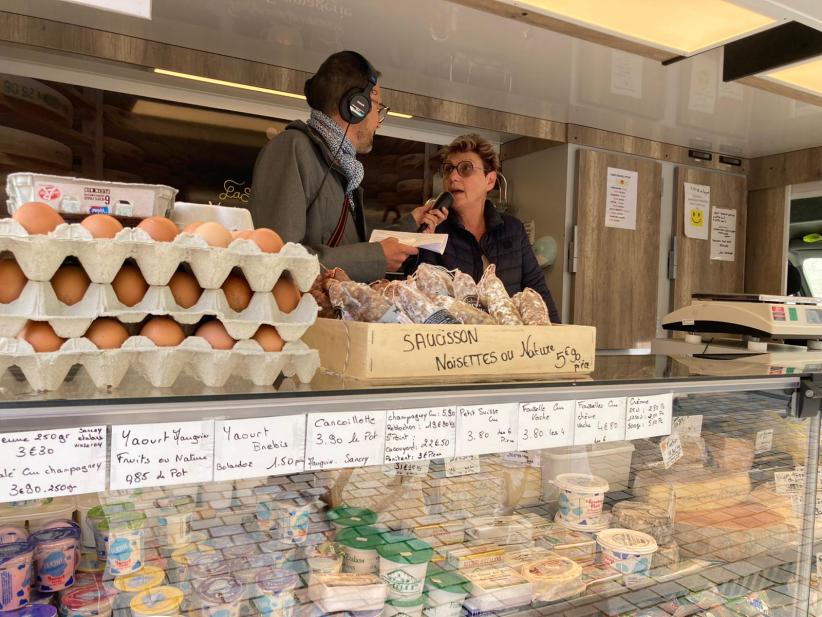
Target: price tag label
789, 482
548, 424
258, 447
764, 441
52, 463
413, 469
486, 429
648, 416
671, 449
344, 439
598, 420
687, 426
462, 466
162, 454
419, 434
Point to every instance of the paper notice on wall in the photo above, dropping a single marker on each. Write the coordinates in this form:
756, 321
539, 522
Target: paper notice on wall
599, 420
344, 439
621, 198
626, 74
648, 416
671, 450
704, 82
162, 454
697, 210
52, 463
723, 234
486, 429
257, 447
545, 424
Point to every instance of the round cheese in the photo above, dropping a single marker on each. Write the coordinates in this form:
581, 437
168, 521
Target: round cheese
17, 143
25, 94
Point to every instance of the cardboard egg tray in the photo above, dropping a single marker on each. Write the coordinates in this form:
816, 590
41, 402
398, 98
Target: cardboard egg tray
160, 366
39, 303
40, 256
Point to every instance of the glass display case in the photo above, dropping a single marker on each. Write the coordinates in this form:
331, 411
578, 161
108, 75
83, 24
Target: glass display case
671, 493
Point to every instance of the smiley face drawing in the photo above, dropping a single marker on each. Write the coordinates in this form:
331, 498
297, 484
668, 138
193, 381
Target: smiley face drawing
696, 217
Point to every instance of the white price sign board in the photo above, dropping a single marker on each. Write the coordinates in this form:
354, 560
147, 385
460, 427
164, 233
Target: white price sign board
52, 463
344, 439
258, 447
648, 416
598, 420
548, 424
419, 434
486, 429
671, 449
162, 454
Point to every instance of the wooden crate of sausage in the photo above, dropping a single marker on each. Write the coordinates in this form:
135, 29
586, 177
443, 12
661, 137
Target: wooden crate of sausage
413, 353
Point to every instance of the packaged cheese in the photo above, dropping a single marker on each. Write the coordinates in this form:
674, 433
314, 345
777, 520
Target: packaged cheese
525, 556
692, 490
475, 556
574, 545
347, 592
554, 578
730, 453
645, 517
496, 588
503, 530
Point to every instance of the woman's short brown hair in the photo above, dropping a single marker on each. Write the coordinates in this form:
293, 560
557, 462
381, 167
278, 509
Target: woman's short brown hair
473, 143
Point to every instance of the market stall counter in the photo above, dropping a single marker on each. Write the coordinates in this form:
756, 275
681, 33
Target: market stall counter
645, 488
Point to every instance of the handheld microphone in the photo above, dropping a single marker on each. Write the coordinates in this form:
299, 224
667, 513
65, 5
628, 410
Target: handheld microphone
443, 200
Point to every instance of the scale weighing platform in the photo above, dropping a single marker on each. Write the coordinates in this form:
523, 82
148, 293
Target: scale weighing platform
750, 318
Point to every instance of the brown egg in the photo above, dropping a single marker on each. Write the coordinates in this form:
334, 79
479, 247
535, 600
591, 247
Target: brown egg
37, 217
129, 285
242, 233
41, 336
214, 234
164, 331
268, 240
237, 291
189, 229
268, 338
106, 333
12, 280
159, 228
286, 293
185, 289
102, 225
70, 284
215, 333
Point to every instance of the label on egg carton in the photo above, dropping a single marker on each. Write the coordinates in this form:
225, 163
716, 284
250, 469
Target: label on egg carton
160, 366
40, 257
38, 302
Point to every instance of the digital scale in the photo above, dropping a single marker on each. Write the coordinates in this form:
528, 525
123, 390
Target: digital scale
751, 318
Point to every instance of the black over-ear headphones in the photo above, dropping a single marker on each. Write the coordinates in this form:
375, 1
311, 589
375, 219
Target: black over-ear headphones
355, 104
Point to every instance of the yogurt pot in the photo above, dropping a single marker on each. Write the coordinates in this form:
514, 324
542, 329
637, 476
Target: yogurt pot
56, 557
122, 535
16, 571
87, 601
183, 557
359, 548
12, 533
129, 585
445, 593
404, 608
97, 515
275, 589
286, 515
62, 523
164, 600
207, 566
403, 564
345, 516
175, 518
34, 610
323, 558
626, 551
580, 498
220, 596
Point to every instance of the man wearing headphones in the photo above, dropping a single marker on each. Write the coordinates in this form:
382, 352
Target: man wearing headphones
306, 183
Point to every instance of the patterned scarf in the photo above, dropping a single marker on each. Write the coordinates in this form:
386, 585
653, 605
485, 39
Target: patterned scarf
331, 133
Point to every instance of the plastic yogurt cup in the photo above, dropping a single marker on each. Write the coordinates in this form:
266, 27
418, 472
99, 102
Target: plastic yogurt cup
129, 585
122, 535
344, 516
275, 587
97, 515
207, 566
445, 593
403, 564
580, 498
16, 570
35, 610
88, 601
323, 558
185, 556
56, 556
287, 515
626, 551
404, 608
359, 549
174, 519
220, 596
12, 533
61, 523
164, 600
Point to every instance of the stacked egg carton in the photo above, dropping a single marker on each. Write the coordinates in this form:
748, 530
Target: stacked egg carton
39, 257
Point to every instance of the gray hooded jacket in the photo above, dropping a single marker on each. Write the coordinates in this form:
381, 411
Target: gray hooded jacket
287, 176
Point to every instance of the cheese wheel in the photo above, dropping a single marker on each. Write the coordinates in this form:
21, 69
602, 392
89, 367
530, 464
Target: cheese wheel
24, 94
19, 143
119, 153
692, 490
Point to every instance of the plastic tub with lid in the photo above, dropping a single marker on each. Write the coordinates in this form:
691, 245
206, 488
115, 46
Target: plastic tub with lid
403, 564
610, 461
275, 587
627, 551
219, 596
445, 593
164, 600
86, 601
16, 571
359, 548
580, 498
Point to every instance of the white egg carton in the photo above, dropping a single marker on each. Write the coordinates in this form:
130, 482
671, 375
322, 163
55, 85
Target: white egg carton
40, 256
38, 302
160, 366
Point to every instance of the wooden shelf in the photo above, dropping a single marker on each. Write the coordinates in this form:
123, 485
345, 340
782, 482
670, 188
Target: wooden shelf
80, 144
